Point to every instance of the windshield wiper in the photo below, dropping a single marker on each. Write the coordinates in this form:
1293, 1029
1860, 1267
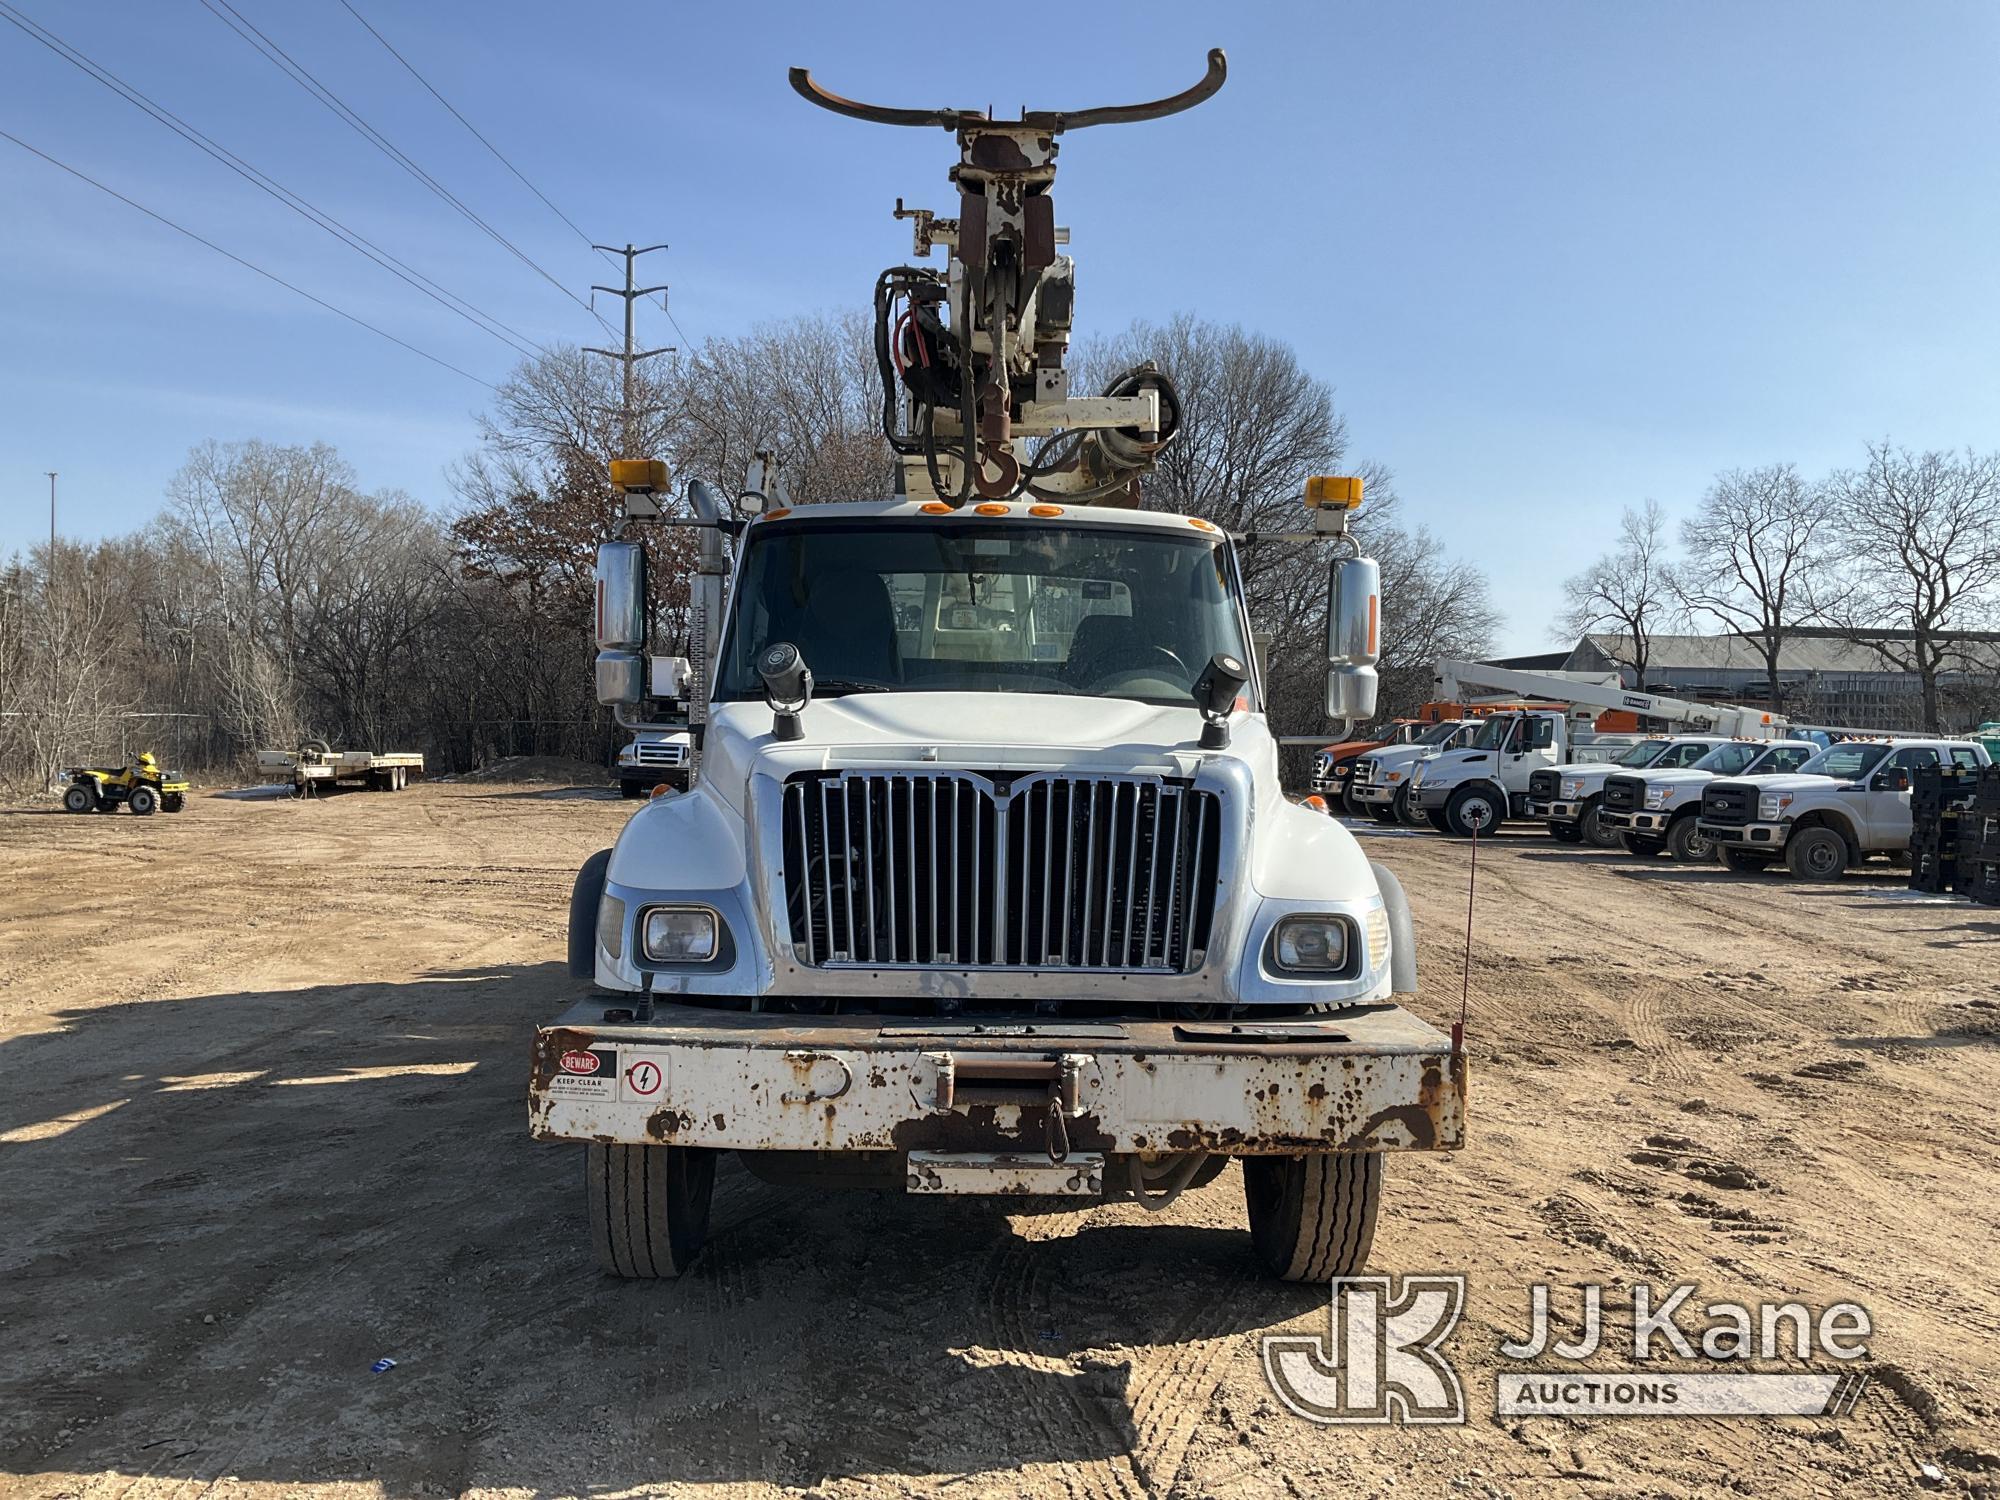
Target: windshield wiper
833, 685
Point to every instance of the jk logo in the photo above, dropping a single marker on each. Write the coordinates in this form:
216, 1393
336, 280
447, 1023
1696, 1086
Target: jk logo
1381, 1363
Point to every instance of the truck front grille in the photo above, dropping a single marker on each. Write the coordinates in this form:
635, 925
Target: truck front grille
1543, 785
1623, 793
951, 869
1364, 772
1726, 803
666, 753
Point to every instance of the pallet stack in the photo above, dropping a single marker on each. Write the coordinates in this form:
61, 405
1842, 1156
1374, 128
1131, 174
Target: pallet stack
1978, 831
1939, 797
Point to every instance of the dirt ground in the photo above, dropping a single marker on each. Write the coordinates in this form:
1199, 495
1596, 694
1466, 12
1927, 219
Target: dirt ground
262, 1124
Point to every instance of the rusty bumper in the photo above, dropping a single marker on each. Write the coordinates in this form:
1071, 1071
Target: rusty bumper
1373, 1078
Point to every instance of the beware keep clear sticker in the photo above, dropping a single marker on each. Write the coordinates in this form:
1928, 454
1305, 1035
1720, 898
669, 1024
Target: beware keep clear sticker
586, 1073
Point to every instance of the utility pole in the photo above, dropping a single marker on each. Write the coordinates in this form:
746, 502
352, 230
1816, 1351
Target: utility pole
630, 356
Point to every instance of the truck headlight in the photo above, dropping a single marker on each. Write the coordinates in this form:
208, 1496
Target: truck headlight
1310, 945
1658, 797
679, 934
1572, 786
1771, 805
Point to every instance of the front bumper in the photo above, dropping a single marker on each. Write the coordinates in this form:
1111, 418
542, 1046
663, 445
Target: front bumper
1373, 1078
1374, 793
1558, 811
1637, 821
1747, 835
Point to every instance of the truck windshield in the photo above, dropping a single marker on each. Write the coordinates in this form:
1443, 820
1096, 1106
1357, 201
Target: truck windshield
1438, 734
1642, 754
1726, 760
978, 606
1847, 762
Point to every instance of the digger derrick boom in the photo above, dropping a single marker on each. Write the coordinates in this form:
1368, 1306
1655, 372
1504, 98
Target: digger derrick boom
975, 362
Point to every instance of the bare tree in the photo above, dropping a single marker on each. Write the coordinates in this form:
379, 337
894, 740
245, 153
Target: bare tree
1254, 425
1626, 593
1759, 559
1921, 536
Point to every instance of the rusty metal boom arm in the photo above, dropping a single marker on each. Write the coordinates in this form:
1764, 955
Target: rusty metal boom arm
1054, 121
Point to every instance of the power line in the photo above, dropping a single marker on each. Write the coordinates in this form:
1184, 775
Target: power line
303, 76
520, 342
499, 155
247, 265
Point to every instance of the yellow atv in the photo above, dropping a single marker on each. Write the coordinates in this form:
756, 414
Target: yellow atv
141, 786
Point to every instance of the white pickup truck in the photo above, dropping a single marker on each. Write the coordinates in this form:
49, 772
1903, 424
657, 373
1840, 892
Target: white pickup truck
1380, 784
656, 758
1657, 811
1570, 797
1848, 802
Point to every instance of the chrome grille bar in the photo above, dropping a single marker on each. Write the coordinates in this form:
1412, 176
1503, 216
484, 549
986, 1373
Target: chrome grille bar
938, 869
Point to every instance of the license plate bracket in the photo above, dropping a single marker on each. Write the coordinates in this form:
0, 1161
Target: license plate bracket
1005, 1174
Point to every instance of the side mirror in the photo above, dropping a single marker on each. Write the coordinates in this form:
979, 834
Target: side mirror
621, 596
621, 623
1350, 693
1353, 613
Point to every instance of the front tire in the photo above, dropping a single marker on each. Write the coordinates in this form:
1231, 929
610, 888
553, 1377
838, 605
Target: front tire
1642, 844
1313, 1217
1406, 810
1474, 810
1435, 817
78, 798
143, 801
173, 802
631, 790
1591, 826
1816, 854
1566, 833
648, 1207
1687, 843
1348, 805
1383, 814
1746, 861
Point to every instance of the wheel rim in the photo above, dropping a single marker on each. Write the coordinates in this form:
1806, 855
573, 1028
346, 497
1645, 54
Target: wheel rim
1476, 813
1698, 847
1821, 858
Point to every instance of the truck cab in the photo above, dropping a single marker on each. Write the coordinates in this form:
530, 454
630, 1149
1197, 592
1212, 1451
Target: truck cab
988, 885
1333, 767
1380, 784
1569, 798
1476, 788
1655, 811
1849, 802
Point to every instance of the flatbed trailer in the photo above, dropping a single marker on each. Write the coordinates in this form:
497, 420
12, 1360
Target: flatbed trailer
315, 766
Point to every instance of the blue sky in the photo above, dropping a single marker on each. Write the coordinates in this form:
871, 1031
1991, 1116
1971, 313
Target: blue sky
1555, 258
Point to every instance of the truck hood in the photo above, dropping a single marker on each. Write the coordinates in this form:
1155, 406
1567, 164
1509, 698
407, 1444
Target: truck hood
1679, 776
1792, 782
1400, 757
981, 731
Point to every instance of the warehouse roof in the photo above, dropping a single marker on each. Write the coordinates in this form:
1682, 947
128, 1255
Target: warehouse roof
1735, 653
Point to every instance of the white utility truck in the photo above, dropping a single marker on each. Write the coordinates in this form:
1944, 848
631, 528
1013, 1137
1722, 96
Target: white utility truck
1850, 801
1380, 785
988, 884
1655, 811
317, 766
1528, 778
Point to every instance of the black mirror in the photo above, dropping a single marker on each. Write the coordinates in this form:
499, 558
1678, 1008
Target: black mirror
788, 685
1895, 779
